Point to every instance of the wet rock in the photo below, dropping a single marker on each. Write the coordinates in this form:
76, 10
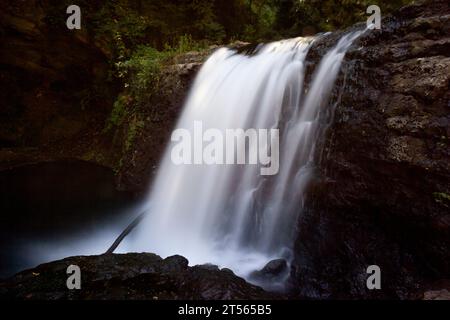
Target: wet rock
175, 263
227, 270
443, 294
273, 269
381, 193
209, 266
129, 276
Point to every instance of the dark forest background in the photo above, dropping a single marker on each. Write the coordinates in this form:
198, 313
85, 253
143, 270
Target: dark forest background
161, 23
140, 36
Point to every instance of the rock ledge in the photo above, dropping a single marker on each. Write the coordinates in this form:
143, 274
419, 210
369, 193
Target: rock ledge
141, 276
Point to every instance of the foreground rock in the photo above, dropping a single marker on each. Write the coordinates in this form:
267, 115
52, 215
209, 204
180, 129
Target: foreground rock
382, 196
443, 294
272, 270
130, 276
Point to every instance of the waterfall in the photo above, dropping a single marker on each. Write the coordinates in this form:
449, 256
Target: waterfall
227, 214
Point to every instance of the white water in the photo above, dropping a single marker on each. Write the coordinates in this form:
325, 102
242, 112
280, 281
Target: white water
230, 215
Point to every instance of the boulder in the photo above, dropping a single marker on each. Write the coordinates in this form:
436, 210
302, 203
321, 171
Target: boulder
273, 269
142, 276
443, 294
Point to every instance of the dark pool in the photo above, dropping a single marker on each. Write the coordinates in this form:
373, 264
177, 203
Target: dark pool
50, 210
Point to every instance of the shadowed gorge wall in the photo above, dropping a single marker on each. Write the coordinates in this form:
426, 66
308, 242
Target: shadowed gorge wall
382, 193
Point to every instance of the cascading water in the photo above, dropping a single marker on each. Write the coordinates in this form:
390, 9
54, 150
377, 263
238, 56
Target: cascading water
231, 215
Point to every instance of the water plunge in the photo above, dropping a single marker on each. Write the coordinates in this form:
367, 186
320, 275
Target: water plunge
231, 215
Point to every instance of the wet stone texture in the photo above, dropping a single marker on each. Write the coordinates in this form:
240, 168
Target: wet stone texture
382, 193
130, 276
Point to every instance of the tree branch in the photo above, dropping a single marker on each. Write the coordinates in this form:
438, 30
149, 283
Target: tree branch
125, 232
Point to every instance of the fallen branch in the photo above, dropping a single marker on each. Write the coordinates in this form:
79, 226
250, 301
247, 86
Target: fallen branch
125, 232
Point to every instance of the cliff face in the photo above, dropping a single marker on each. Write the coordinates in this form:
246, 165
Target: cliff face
58, 95
55, 93
53, 80
382, 193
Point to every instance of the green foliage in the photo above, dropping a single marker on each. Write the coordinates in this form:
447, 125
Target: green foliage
310, 16
130, 23
142, 70
261, 16
124, 25
118, 113
141, 73
185, 44
442, 198
122, 28
133, 128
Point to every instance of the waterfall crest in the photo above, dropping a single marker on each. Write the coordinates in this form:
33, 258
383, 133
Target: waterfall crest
230, 215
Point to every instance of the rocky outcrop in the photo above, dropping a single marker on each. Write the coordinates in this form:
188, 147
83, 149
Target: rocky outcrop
143, 276
382, 193
55, 95
443, 294
273, 269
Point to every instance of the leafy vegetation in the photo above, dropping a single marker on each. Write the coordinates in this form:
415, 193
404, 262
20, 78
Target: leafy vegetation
141, 72
134, 126
442, 198
297, 17
118, 113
